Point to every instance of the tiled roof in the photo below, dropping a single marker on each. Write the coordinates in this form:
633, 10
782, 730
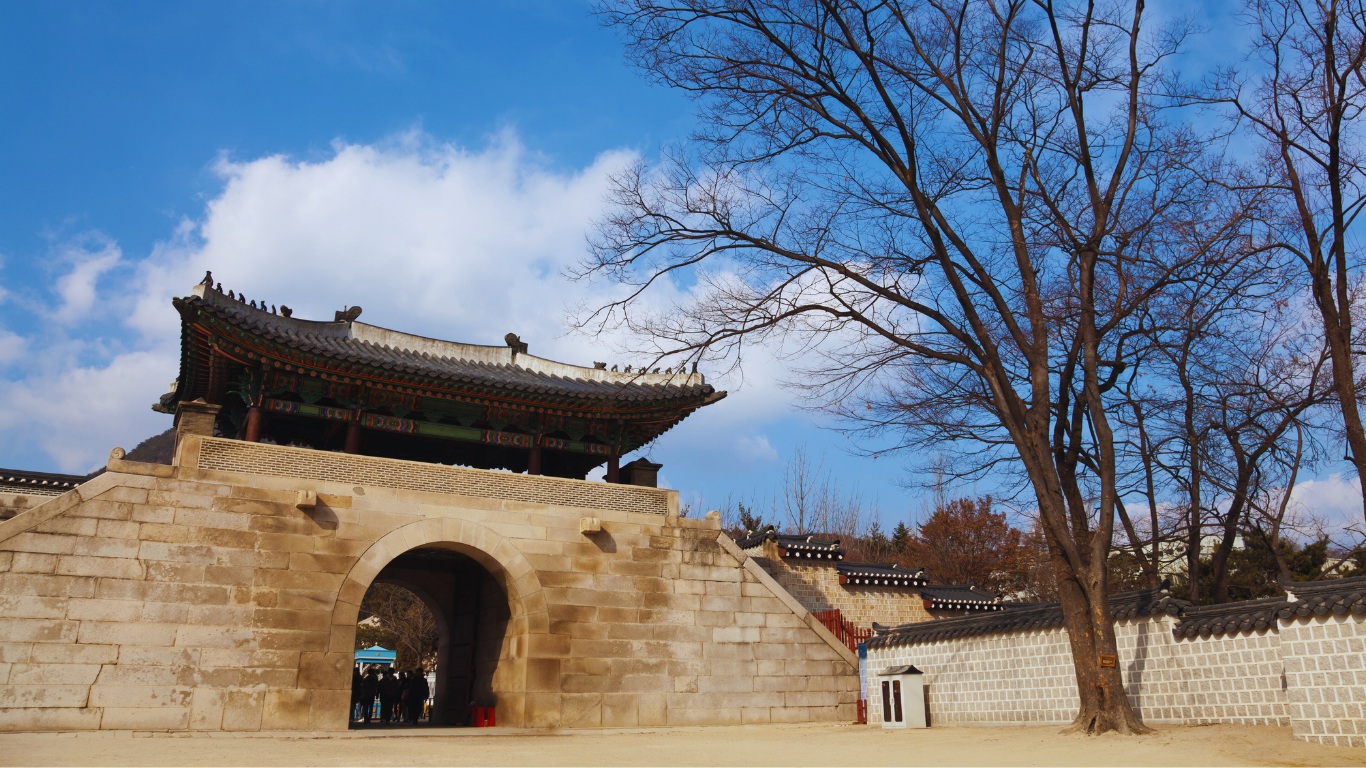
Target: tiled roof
38, 483
880, 575
1321, 598
1018, 618
805, 546
960, 597
350, 348
1229, 618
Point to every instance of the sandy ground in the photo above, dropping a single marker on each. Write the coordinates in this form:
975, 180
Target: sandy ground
835, 745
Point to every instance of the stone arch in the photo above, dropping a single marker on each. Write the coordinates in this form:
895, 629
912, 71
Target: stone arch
508, 567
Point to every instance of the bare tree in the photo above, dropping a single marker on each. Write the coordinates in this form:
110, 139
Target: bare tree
812, 501
962, 207
1303, 101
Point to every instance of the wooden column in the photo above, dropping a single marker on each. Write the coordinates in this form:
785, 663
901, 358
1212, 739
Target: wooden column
255, 419
533, 459
614, 469
352, 435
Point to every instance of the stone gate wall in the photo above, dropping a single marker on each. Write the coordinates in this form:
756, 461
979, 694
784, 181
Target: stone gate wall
184, 597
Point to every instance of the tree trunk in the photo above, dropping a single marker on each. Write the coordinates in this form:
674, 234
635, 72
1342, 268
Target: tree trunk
1090, 630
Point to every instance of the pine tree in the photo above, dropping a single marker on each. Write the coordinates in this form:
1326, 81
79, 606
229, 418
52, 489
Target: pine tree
901, 538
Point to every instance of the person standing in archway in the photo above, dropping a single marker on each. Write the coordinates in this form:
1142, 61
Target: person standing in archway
388, 695
357, 683
418, 691
369, 688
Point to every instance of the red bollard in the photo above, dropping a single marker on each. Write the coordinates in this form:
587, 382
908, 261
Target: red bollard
492, 718
478, 717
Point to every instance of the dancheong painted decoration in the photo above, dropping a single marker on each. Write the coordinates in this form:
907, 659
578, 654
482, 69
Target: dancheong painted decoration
343, 385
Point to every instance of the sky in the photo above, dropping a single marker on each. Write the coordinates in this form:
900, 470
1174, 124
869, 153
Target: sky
440, 164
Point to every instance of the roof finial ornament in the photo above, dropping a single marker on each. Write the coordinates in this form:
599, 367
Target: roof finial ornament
272, 309
694, 367
218, 287
232, 295
286, 311
253, 303
628, 369
208, 279
349, 314
599, 366
514, 341
614, 367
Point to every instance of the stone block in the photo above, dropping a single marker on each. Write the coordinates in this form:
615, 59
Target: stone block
206, 709
41, 543
581, 710
63, 719
543, 675
191, 636
106, 567
32, 607
123, 633
70, 526
53, 674
145, 718
329, 710
139, 696
325, 671
117, 529
16, 630
152, 514
619, 711
106, 547
242, 710
62, 653
43, 696
286, 710
33, 562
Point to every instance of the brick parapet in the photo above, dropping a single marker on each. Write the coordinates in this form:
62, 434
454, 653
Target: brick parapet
302, 463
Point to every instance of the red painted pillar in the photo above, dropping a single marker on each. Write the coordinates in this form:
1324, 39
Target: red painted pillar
614, 469
352, 436
255, 419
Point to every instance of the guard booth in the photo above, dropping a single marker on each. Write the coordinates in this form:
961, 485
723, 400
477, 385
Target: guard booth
903, 697
375, 655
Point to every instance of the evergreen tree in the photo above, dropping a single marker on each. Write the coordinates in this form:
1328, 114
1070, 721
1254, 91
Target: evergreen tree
901, 538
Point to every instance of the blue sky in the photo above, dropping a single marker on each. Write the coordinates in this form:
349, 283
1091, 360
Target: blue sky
438, 163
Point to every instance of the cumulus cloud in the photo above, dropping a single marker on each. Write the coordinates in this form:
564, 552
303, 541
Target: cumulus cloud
1335, 501
428, 237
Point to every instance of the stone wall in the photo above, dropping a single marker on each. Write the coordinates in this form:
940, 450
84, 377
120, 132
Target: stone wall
178, 597
1325, 672
816, 585
1308, 673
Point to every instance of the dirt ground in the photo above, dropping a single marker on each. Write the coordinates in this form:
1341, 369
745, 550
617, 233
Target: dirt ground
841, 745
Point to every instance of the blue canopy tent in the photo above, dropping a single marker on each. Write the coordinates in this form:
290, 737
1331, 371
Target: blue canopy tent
376, 655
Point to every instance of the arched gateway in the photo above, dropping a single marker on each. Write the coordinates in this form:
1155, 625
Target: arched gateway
481, 661
221, 591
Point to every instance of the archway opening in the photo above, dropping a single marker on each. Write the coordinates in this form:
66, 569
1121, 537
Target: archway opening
444, 610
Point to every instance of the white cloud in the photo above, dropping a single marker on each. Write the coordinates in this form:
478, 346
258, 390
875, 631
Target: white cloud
756, 448
429, 238
89, 258
1334, 500
12, 347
